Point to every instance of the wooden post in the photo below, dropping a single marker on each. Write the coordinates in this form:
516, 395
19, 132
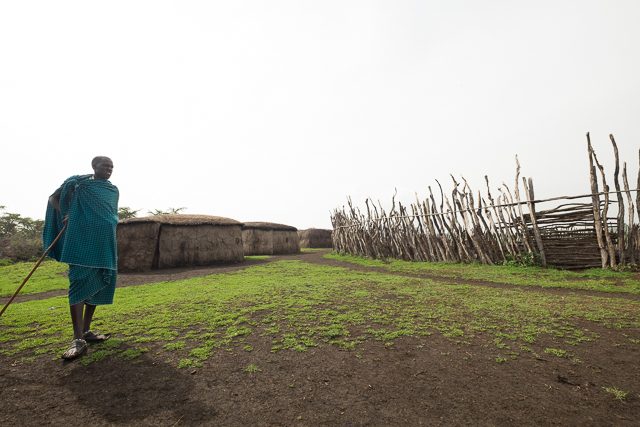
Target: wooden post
638, 192
605, 220
532, 213
494, 229
469, 228
595, 198
440, 223
516, 191
620, 224
631, 230
509, 217
503, 236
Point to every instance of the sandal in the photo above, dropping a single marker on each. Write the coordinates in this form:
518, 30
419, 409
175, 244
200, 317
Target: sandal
93, 337
78, 348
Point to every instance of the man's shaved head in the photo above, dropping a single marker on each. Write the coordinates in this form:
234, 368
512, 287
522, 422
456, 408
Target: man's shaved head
97, 160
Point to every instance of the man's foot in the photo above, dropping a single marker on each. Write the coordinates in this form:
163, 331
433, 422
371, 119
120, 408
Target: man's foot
78, 348
93, 337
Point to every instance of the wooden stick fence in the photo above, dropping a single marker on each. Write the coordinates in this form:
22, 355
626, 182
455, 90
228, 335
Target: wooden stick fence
464, 226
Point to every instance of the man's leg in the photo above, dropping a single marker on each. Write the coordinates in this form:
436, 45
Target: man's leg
79, 345
87, 334
89, 309
77, 319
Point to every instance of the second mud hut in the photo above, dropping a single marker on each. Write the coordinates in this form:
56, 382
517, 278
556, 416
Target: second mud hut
267, 238
315, 238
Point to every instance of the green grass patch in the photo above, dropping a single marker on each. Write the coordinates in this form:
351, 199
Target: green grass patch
49, 276
593, 279
178, 345
297, 306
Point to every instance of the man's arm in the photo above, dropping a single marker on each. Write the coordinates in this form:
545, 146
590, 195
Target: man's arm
54, 199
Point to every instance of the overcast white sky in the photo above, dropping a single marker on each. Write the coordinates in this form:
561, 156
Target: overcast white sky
278, 110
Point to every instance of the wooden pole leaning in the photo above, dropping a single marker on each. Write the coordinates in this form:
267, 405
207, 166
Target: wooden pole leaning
46, 252
528, 188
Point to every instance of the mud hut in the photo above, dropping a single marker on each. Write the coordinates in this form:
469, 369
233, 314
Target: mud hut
315, 238
267, 238
166, 241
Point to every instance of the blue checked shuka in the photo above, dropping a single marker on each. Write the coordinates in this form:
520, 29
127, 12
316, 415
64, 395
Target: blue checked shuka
88, 244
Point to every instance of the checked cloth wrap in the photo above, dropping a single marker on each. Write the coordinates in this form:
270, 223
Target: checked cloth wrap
89, 243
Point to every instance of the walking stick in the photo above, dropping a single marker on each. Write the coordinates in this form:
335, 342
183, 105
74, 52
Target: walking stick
34, 268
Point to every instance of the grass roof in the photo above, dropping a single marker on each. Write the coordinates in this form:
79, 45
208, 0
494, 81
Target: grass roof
183, 219
268, 226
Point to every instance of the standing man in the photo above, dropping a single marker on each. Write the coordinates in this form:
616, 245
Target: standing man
88, 205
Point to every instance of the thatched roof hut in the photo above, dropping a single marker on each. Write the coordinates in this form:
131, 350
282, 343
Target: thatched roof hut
166, 241
315, 238
267, 238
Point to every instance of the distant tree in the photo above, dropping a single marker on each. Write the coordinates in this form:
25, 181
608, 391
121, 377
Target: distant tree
20, 237
125, 212
170, 211
176, 211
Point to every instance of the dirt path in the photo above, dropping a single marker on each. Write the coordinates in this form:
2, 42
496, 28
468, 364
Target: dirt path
134, 279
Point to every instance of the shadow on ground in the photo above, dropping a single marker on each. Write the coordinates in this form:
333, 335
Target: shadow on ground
139, 391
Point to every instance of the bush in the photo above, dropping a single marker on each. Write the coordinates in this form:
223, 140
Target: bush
528, 259
20, 237
23, 248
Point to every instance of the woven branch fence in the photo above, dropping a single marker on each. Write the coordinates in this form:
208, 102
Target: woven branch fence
465, 226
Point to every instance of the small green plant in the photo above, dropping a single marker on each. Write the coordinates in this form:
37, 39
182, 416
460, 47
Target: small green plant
500, 359
178, 345
528, 259
188, 363
621, 395
252, 368
557, 352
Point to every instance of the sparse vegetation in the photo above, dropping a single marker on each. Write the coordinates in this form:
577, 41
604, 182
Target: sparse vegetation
252, 368
617, 393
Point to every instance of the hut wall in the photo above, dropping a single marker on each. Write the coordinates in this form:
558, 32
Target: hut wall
197, 245
315, 238
137, 244
256, 241
285, 242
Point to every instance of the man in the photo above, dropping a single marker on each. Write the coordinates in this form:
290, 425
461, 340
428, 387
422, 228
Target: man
88, 205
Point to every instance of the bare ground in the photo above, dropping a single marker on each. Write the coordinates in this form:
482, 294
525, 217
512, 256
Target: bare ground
417, 381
